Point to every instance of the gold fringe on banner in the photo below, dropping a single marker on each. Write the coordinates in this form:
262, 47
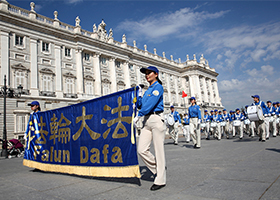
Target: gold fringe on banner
118, 172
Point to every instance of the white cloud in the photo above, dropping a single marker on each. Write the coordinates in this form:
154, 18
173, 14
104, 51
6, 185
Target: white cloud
73, 1
165, 24
264, 72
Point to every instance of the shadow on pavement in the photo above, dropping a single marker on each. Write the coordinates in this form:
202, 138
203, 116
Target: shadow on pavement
133, 180
276, 150
146, 174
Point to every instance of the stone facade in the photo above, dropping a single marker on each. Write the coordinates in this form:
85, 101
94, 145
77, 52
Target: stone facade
59, 65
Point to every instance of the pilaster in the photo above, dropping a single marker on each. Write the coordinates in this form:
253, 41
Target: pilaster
205, 90
79, 70
34, 87
113, 75
97, 74
5, 62
126, 75
58, 74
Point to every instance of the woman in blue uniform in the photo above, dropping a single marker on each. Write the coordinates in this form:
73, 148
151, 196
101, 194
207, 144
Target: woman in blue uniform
151, 107
195, 118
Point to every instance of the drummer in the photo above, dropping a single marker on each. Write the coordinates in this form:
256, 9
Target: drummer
173, 130
217, 130
206, 120
272, 120
238, 116
246, 121
260, 124
225, 129
230, 120
186, 127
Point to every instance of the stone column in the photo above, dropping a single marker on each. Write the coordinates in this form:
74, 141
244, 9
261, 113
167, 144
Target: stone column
113, 75
34, 87
138, 74
5, 63
205, 90
58, 74
217, 98
176, 89
126, 75
167, 78
79, 70
97, 74
211, 100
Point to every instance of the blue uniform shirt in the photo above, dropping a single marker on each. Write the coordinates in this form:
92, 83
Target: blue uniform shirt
263, 106
217, 118
186, 120
239, 116
207, 118
271, 110
194, 111
225, 117
176, 116
152, 100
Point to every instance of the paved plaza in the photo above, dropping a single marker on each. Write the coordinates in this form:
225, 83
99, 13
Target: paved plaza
226, 169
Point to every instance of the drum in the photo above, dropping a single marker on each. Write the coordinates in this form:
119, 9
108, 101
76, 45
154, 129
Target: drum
271, 118
213, 124
203, 125
255, 113
236, 123
170, 119
223, 123
247, 121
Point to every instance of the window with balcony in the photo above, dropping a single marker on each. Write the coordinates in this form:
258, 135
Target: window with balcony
45, 47
19, 40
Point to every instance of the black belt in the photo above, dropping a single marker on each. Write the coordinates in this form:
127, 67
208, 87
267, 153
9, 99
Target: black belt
155, 113
176, 120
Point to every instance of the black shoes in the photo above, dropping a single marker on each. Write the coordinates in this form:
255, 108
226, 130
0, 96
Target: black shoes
156, 187
263, 140
196, 147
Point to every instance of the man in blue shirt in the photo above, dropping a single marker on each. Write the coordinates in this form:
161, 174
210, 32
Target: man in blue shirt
238, 123
206, 121
271, 119
217, 129
186, 127
225, 128
173, 129
260, 124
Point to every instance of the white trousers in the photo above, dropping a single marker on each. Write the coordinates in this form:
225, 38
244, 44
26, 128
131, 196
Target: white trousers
225, 129
153, 129
266, 122
239, 129
207, 129
195, 131
260, 127
217, 131
173, 131
187, 132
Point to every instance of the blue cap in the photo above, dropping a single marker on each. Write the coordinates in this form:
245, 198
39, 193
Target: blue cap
205, 111
211, 111
274, 103
192, 98
215, 110
246, 106
237, 109
268, 102
256, 96
220, 111
225, 110
34, 103
277, 102
172, 106
152, 68
231, 111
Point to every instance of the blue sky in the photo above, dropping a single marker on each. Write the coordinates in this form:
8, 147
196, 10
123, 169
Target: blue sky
240, 39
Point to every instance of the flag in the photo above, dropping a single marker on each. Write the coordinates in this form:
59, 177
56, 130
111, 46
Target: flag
92, 138
184, 94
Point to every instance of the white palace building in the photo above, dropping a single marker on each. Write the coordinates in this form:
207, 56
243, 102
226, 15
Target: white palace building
59, 64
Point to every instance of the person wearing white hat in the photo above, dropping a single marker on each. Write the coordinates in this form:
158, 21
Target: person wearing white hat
195, 118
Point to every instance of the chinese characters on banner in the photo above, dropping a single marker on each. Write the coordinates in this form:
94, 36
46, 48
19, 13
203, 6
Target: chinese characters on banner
92, 138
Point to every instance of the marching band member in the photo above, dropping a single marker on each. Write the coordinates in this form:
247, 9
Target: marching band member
230, 120
217, 130
225, 117
238, 116
272, 120
278, 116
206, 120
211, 119
151, 107
246, 124
173, 130
275, 104
186, 127
195, 117
260, 125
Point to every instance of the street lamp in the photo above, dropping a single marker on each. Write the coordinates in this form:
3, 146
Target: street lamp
7, 92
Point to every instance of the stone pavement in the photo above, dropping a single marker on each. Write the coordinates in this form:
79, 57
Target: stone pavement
226, 169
